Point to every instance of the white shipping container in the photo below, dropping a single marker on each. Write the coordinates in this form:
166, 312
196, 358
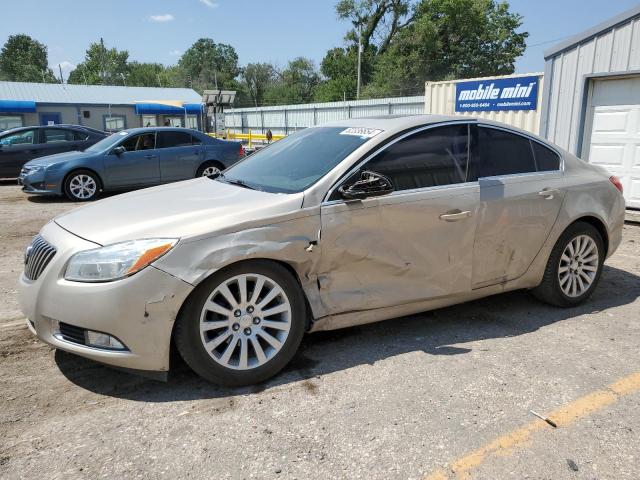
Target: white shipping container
439, 99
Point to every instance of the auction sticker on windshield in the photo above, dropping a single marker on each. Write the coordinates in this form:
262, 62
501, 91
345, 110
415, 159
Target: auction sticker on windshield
363, 132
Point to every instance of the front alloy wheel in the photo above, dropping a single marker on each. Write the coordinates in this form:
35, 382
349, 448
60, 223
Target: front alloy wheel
81, 186
243, 324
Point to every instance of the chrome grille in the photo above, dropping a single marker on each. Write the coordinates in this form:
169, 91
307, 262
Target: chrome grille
37, 257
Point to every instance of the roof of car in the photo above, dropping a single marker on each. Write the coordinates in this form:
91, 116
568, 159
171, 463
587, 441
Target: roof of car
389, 122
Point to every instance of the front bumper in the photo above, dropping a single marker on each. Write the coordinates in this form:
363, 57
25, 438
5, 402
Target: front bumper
36, 181
139, 310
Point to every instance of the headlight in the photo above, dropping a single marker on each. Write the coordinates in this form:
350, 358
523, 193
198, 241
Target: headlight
116, 261
33, 168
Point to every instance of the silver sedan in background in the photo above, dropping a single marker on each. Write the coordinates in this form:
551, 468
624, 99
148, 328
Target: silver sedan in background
337, 225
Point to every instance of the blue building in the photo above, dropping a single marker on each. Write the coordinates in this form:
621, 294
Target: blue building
109, 108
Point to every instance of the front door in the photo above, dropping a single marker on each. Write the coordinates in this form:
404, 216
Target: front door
411, 245
137, 166
16, 149
521, 192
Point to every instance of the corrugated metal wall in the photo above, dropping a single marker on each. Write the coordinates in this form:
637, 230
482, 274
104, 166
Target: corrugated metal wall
286, 119
614, 50
440, 99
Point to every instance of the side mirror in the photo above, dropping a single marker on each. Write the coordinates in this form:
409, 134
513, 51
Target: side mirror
371, 184
119, 150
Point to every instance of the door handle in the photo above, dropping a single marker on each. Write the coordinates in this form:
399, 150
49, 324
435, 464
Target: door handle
455, 215
150, 156
548, 193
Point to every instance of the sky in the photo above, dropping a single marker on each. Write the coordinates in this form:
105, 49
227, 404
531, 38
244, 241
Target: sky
261, 31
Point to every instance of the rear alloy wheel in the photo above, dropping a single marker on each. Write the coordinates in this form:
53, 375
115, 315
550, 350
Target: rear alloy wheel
574, 266
244, 325
81, 186
207, 169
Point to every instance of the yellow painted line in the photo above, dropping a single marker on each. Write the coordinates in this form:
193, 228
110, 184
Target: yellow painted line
563, 416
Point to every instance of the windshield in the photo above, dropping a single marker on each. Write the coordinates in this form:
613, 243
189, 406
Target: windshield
107, 142
298, 161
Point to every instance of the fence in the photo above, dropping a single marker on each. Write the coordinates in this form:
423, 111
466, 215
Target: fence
283, 120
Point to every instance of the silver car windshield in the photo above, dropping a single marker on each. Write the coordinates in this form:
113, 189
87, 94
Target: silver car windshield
296, 162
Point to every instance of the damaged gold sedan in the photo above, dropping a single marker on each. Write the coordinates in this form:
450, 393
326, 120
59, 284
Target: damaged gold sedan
337, 225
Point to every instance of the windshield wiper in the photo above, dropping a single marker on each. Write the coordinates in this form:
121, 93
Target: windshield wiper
235, 181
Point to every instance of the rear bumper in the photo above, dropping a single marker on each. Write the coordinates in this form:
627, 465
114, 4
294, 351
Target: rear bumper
139, 310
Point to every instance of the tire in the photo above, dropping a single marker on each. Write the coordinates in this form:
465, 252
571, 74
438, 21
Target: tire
560, 276
82, 186
233, 327
209, 168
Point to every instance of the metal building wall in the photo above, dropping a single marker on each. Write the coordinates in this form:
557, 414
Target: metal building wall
440, 99
286, 119
611, 48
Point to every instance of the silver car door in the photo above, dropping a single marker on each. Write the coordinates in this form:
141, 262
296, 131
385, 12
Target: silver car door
519, 205
410, 245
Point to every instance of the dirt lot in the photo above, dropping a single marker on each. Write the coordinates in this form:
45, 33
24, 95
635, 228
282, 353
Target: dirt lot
445, 394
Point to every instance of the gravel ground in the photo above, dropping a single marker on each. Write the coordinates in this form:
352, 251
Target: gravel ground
399, 399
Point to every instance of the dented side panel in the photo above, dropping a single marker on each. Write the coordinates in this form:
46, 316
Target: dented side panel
394, 250
285, 239
515, 219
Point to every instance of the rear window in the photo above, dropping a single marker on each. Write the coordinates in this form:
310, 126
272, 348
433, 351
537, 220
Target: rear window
546, 159
504, 153
173, 139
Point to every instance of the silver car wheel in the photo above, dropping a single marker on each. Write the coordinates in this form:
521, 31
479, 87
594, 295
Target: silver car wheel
245, 321
82, 186
211, 170
578, 266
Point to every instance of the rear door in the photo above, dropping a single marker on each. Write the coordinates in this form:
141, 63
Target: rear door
520, 197
137, 166
57, 140
16, 149
180, 155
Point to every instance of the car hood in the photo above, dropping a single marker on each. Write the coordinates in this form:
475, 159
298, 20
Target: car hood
179, 210
56, 158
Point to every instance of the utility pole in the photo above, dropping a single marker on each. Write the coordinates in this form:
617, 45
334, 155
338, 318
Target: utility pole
359, 60
61, 78
124, 82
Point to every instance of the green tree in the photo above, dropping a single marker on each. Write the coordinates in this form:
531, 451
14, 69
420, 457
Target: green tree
24, 59
296, 83
257, 78
206, 63
101, 66
148, 75
407, 43
338, 68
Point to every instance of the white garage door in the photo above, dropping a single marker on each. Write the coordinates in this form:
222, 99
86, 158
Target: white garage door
615, 132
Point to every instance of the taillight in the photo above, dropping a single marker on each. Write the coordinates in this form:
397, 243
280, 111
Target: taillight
616, 182
241, 152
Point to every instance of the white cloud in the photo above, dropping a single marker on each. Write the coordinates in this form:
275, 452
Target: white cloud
66, 67
175, 53
209, 3
167, 17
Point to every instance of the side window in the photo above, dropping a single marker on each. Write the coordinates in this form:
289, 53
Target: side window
437, 156
503, 153
26, 137
173, 139
80, 137
56, 135
144, 141
546, 159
